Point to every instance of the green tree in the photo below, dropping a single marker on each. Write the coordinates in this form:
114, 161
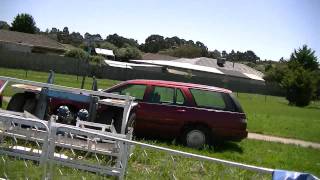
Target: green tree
4, 25
232, 56
301, 79
304, 57
154, 43
250, 56
224, 54
215, 54
120, 41
75, 38
24, 23
204, 49
277, 73
107, 45
300, 86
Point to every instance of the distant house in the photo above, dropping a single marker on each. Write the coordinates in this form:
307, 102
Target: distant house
225, 71
31, 43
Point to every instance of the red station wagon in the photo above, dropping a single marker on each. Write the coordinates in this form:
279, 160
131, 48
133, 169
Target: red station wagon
196, 114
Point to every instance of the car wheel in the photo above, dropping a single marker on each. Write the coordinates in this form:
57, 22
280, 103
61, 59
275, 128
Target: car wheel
196, 137
17, 102
131, 122
30, 105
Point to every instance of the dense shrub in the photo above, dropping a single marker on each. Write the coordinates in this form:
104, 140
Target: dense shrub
301, 80
277, 73
298, 76
107, 45
183, 51
96, 60
77, 53
127, 53
24, 23
300, 86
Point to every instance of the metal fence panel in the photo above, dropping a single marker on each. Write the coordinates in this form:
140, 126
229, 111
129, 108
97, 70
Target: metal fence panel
33, 149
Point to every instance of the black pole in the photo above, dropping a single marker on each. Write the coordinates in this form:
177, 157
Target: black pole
78, 69
83, 80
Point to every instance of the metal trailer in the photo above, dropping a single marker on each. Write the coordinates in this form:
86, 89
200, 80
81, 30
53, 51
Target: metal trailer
93, 98
86, 136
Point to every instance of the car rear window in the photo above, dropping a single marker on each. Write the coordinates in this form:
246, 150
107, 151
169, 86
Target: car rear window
163, 95
208, 99
180, 100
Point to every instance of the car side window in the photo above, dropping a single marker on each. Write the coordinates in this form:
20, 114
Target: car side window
162, 95
180, 100
135, 90
208, 99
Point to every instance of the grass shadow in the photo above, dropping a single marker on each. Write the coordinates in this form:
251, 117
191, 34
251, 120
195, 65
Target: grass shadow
222, 146
312, 107
227, 146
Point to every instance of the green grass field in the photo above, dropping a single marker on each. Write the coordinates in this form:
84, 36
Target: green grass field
159, 165
274, 116
271, 116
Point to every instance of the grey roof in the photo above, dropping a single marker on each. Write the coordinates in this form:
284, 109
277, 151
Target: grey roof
29, 39
234, 70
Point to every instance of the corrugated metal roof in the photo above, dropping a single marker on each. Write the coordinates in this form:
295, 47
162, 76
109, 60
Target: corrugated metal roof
181, 65
127, 65
104, 51
209, 65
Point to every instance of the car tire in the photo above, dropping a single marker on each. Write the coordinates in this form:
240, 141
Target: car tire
131, 122
17, 102
30, 105
196, 137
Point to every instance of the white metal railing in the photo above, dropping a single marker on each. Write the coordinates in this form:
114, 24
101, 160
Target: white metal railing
52, 142
60, 142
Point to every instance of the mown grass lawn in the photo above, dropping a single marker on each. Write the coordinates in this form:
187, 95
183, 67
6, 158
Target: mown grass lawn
151, 164
272, 115
260, 153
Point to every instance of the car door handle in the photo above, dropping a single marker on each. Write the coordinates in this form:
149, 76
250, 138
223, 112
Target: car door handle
181, 110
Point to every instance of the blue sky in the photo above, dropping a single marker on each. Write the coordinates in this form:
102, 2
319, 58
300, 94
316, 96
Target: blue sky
271, 28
